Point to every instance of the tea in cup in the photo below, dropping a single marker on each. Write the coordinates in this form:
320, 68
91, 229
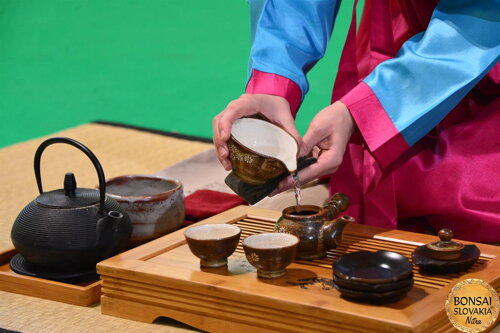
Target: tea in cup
213, 243
270, 253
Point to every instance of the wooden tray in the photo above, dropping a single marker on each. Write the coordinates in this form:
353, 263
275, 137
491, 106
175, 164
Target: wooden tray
163, 278
77, 294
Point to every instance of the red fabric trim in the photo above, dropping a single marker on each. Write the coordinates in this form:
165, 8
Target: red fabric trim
383, 139
381, 33
347, 74
277, 85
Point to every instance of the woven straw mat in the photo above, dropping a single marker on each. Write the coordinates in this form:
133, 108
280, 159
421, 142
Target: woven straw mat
121, 151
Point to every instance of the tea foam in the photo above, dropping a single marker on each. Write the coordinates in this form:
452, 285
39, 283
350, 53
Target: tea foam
270, 241
212, 231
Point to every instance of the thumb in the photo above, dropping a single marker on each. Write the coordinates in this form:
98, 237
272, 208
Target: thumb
311, 139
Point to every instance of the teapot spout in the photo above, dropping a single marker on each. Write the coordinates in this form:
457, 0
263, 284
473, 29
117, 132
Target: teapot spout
115, 216
332, 232
106, 227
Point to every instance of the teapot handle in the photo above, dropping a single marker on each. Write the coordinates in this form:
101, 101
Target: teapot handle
338, 203
90, 155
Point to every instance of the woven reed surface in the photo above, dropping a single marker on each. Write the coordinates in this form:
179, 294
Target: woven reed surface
28, 314
121, 151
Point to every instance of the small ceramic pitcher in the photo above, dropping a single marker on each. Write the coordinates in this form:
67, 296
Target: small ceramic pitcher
315, 227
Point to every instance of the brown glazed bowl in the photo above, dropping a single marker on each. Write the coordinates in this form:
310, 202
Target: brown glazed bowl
213, 243
154, 204
260, 151
270, 253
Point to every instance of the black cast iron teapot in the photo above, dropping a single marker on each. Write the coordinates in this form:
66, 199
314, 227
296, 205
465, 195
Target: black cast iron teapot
72, 228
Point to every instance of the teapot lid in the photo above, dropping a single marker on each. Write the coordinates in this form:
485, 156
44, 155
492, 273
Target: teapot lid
70, 196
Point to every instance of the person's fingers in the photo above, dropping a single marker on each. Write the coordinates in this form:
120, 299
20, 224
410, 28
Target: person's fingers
284, 185
328, 163
277, 110
315, 152
223, 156
329, 132
221, 148
222, 124
321, 168
226, 164
215, 128
305, 176
216, 136
234, 110
311, 139
274, 108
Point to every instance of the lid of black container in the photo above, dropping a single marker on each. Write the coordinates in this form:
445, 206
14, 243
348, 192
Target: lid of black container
69, 197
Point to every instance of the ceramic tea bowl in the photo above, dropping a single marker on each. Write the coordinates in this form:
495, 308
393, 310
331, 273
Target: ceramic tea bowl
260, 151
154, 204
213, 243
382, 297
374, 277
270, 253
372, 267
373, 287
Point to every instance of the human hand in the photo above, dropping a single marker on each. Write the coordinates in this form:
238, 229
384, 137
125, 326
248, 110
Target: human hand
328, 133
274, 108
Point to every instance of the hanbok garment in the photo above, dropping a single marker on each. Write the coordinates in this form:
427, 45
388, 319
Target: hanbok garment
421, 80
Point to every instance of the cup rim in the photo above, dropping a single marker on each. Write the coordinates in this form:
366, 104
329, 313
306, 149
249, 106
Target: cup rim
154, 197
189, 230
272, 125
296, 241
287, 212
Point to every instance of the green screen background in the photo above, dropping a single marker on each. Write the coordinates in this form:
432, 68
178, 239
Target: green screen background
169, 65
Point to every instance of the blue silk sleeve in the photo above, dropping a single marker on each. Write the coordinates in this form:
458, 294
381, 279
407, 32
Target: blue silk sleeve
435, 69
290, 36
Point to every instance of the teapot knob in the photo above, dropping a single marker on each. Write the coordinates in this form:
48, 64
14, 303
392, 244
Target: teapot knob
70, 185
445, 235
445, 248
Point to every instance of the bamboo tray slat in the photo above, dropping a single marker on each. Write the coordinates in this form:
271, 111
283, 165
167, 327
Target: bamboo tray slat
84, 294
163, 278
